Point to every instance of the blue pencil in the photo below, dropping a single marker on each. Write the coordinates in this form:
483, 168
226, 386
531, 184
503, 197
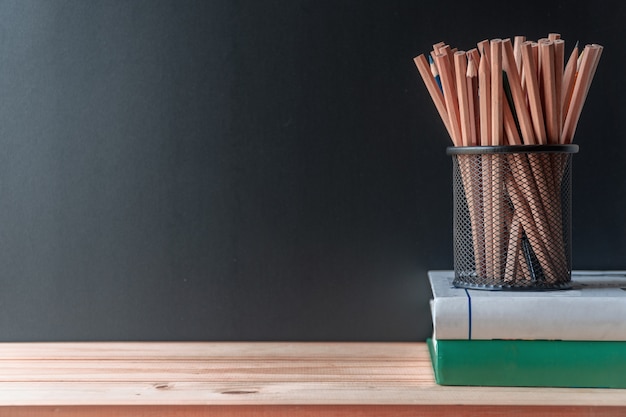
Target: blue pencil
435, 72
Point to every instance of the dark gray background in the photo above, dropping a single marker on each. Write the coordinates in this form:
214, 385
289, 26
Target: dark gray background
255, 170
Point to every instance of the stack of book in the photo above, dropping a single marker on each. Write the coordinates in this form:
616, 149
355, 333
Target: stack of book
566, 338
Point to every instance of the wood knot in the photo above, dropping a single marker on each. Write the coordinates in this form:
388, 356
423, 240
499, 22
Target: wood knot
240, 392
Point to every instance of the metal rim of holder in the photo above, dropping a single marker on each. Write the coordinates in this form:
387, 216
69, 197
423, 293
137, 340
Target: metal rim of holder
477, 150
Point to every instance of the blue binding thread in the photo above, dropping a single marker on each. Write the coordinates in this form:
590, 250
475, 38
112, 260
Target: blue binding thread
469, 315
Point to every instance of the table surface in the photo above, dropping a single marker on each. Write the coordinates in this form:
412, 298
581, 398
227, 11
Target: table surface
117, 374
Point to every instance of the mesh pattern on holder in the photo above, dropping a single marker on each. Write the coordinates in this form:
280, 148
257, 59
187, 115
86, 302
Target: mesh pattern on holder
512, 216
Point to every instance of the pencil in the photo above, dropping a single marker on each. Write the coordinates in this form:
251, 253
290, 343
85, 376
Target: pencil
496, 92
519, 99
546, 209
534, 96
450, 96
497, 139
559, 57
548, 83
526, 200
569, 77
510, 128
517, 52
436, 48
449, 54
484, 48
472, 100
590, 58
484, 103
474, 55
460, 64
537, 60
513, 249
484, 100
434, 71
438, 45
435, 93
542, 199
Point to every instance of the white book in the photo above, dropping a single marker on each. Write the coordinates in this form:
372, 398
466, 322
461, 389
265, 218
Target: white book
593, 309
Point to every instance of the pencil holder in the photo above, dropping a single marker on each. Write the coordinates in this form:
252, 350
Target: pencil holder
512, 216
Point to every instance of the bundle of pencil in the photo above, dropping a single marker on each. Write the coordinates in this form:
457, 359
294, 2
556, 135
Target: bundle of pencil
504, 93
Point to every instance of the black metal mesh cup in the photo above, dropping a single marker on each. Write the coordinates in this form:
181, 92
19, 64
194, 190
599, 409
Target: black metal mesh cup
512, 216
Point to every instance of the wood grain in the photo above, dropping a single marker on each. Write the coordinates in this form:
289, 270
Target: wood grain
264, 378
313, 411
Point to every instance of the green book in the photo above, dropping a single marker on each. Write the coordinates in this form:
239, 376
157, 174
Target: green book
530, 363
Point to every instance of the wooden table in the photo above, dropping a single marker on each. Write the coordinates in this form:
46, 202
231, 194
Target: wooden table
260, 379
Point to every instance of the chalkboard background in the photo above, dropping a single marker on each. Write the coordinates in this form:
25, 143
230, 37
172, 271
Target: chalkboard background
255, 170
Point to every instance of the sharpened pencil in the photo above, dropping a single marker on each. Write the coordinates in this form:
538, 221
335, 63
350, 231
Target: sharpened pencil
472, 100
591, 56
435, 71
435, 93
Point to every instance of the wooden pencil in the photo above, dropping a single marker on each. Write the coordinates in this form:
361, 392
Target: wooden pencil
475, 56
519, 99
559, 57
449, 53
438, 45
543, 201
434, 71
484, 104
526, 198
513, 249
546, 209
510, 128
534, 96
435, 93
554, 179
496, 92
548, 83
534, 172
569, 77
460, 64
449, 94
497, 139
591, 56
472, 100
484, 100
484, 48
517, 52
488, 220
436, 48
537, 59
554, 36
